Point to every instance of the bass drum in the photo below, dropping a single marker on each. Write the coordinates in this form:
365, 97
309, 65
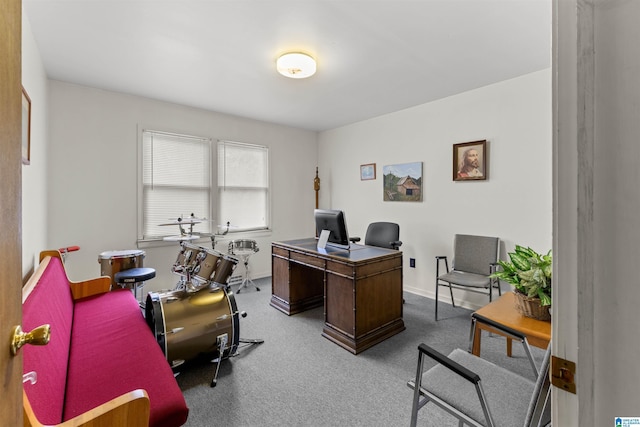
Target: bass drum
189, 324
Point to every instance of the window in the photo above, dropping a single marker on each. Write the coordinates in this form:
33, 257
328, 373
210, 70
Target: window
243, 185
176, 182
178, 178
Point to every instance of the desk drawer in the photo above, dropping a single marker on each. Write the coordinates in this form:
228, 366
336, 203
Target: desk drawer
366, 268
373, 268
305, 259
279, 252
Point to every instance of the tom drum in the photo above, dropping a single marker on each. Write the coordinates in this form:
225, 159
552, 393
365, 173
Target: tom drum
207, 261
189, 324
226, 266
112, 262
186, 258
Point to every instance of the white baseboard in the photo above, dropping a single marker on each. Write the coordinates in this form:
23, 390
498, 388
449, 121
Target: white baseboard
460, 301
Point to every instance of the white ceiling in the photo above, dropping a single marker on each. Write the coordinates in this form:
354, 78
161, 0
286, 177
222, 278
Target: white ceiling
374, 56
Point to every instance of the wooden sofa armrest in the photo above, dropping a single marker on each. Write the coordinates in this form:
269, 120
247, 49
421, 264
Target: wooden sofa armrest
86, 288
130, 409
53, 253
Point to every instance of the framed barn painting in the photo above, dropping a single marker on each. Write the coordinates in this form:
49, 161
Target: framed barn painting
402, 182
470, 161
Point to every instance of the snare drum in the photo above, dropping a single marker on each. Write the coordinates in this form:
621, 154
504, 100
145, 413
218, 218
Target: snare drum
113, 261
189, 324
226, 265
242, 247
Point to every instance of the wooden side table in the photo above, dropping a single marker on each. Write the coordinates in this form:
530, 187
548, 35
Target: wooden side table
503, 311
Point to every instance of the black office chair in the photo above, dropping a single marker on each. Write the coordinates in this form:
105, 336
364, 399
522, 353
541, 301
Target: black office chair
382, 234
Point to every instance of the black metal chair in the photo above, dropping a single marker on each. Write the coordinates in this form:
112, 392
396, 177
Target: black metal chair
480, 393
474, 260
382, 234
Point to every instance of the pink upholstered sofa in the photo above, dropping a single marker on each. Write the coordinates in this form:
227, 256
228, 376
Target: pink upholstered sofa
102, 365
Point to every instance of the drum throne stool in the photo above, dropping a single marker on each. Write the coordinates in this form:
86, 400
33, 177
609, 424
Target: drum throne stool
134, 279
244, 249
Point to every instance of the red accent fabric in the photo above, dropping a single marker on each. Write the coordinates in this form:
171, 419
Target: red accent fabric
113, 352
99, 349
48, 361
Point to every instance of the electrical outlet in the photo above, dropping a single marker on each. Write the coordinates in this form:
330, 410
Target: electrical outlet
412, 262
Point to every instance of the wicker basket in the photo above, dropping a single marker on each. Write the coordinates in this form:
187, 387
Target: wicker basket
531, 307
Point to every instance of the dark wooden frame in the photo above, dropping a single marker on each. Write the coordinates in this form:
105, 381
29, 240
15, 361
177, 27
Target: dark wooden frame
26, 128
363, 177
458, 152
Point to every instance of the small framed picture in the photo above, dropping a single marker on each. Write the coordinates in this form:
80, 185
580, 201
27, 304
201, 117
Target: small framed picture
26, 128
470, 161
367, 171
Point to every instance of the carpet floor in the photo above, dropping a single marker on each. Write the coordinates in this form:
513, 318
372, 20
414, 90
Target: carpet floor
299, 378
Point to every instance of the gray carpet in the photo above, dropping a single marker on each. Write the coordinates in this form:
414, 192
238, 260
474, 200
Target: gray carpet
298, 378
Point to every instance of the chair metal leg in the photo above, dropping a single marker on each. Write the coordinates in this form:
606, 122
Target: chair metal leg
416, 391
453, 303
437, 286
472, 333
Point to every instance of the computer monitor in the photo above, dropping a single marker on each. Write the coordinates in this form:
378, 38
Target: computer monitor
334, 221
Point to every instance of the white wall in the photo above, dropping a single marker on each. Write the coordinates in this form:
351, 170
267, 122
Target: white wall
514, 203
93, 166
34, 176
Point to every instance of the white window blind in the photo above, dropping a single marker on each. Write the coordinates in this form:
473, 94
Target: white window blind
176, 182
243, 185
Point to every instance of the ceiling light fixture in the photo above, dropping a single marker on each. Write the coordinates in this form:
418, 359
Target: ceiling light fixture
296, 65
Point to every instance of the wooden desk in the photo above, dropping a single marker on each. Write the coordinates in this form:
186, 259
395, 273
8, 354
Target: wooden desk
361, 289
503, 311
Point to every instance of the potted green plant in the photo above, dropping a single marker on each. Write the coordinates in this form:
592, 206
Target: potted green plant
530, 274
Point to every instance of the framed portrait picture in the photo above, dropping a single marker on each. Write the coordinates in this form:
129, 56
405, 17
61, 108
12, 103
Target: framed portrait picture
470, 161
26, 128
367, 172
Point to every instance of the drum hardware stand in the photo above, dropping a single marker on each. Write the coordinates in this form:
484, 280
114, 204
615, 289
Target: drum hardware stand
191, 221
212, 236
248, 341
222, 340
247, 277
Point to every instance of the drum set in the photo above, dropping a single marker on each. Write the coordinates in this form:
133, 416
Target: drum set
200, 315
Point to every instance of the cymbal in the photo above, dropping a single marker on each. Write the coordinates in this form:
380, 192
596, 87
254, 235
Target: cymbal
202, 234
227, 226
184, 221
180, 238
